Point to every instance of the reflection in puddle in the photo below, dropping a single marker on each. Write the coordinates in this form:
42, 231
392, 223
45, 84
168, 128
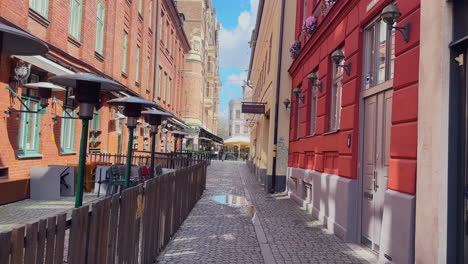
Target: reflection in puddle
231, 200
236, 201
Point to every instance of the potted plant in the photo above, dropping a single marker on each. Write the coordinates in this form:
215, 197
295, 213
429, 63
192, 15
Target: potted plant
295, 49
310, 25
330, 3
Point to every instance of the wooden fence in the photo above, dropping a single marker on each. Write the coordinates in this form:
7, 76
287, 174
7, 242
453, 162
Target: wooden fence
132, 227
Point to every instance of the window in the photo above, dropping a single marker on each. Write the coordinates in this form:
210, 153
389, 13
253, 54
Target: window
148, 73
29, 129
304, 16
269, 52
335, 96
100, 22
313, 111
140, 7
169, 88
161, 28
159, 82
150, 16
237, 129
125, 52
170, 42
164, 86
146, 137
298, 117
238, 113
207, 90
40, 6
246, 129
67, 136
380, 54
137, 66
76, 11
94, 132
166, 37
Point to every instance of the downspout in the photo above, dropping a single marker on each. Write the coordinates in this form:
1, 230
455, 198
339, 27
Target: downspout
278, 84
156, 50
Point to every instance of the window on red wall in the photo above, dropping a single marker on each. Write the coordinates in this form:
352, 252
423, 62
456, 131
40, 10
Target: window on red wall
304, 10
335, 95
379, 55
313, 109
298, 117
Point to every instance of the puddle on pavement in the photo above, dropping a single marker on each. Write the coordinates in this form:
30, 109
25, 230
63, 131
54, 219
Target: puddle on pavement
236, 201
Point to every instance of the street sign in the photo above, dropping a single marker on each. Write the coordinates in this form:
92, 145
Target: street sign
253, 108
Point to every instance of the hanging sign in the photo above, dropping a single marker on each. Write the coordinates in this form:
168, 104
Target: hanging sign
253, 108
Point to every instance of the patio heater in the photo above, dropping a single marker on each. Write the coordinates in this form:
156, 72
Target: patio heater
132, 110
16, 42
45, 90
154, 118
88, 87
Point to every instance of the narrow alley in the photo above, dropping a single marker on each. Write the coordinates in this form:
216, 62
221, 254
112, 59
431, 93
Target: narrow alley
220, 229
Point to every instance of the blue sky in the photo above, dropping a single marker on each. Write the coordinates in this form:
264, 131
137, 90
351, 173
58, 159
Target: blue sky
237, 20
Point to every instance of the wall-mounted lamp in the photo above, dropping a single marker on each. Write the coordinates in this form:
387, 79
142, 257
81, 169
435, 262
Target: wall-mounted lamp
297, 92
314, 82
390, 14
337, 57
287, 103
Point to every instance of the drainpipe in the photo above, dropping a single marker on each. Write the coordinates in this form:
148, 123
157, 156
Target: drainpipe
278, 83
156, 49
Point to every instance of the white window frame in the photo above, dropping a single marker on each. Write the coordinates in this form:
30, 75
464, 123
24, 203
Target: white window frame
137, 65
76, 17
335, 95
100, 27
40, 6
125, 52
313, 109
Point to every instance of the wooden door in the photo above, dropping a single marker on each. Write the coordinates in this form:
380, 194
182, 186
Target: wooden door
376, 155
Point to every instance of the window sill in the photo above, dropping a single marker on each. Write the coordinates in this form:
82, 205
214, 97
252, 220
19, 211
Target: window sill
125, 75
98, 56
138, 84
30, 156
39, 18
309, 136
331, 132
65, 153
74, 41
140, 17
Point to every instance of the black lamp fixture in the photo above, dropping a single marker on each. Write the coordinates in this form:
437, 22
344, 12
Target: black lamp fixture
154, 118
45, 90
314, 82
390, 15
88, 87
133, 107
287, 103
297, 92
337, 57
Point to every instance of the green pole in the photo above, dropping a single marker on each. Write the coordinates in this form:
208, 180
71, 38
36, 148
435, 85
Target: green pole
129, 157
81, 163
153, 151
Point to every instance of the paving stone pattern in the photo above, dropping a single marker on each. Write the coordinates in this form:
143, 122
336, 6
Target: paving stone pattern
28, 211
219, 233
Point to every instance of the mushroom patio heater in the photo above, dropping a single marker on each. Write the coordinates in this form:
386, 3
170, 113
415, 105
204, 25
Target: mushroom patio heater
88, 87
17, 42
154, 118
45, 90
132, 110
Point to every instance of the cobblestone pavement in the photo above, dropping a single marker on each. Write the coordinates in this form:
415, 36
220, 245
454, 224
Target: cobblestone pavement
220, 228
28, 211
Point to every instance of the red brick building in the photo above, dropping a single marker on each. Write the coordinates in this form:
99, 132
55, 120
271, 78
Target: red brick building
353, 132
116, 39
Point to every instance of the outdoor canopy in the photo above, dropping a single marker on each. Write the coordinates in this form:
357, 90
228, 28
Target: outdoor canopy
237, 140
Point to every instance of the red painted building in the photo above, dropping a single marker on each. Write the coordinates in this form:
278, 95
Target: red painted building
353, 132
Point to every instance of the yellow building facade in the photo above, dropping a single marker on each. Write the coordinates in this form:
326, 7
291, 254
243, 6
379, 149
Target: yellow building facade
271, 84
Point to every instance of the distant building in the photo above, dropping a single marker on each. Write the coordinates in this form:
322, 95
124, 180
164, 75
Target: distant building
237, 120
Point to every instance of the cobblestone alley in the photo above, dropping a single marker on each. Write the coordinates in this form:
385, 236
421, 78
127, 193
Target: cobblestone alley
220, 229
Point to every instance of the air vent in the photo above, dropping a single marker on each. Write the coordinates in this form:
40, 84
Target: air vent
3, 172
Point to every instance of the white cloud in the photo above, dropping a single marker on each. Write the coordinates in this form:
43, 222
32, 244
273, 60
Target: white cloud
236, 79
234, 44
